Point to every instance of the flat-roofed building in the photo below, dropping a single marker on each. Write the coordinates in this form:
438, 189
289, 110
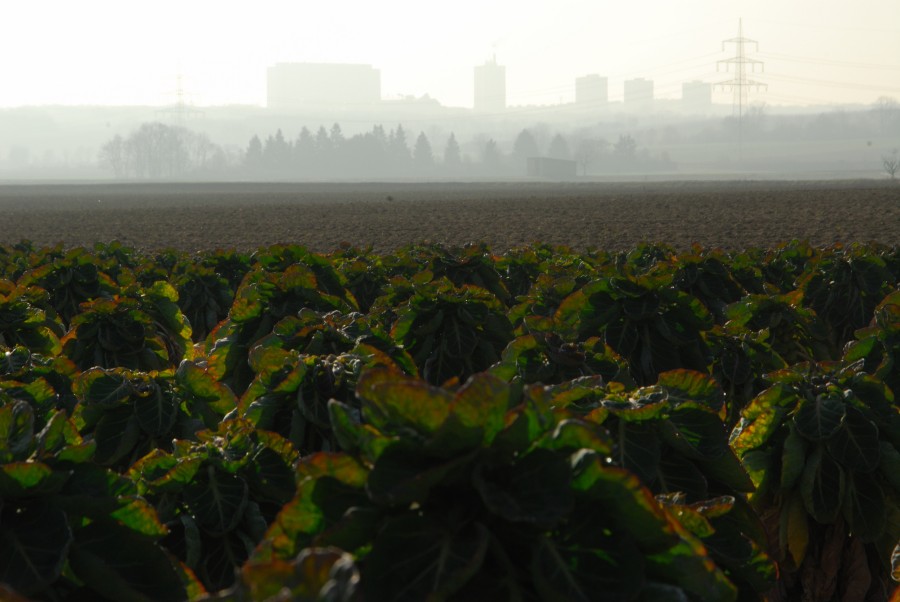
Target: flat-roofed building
639, 94
490, 87
696, 97
591, 90
303, 85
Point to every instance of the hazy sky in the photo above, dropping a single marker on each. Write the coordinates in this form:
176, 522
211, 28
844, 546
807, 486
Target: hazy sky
114, 52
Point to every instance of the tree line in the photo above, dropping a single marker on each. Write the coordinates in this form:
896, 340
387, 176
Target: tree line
160, 151
157, 151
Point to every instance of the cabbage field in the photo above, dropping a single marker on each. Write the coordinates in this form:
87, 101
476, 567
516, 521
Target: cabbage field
450, 423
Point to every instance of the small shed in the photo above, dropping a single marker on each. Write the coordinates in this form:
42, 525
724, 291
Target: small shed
547, 167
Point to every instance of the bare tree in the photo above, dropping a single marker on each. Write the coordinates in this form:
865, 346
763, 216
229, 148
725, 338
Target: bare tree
891, 163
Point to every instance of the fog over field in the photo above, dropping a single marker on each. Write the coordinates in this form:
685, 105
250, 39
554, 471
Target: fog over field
399, 90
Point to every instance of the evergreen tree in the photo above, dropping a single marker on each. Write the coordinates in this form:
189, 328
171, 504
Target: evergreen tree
422, 156
452, 158
304, 150
253, 159
524, 147
559, 148
398, 151
491, 156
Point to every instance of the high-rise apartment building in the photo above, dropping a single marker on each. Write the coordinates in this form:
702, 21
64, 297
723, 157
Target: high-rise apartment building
696, 97
638, 94
490, 87
301, 85
591, 90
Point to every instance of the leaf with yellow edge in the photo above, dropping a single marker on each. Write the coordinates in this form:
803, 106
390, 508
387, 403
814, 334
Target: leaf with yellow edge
795, 529
140, 516
760, 419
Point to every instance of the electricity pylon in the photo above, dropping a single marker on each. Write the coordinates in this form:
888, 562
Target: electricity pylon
181, 110
741, 83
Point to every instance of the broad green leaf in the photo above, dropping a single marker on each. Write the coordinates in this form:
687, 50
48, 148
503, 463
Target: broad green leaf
216, 499
16, 430
342, 467
571, 572
794, 528
619, 493
889, 467
690, 385
793, 458
638, 448
203, 395
403, 475
20, 479
820, 418
761, 419
535, 489
270, 477
822, 486
483, 402
855, 444
727, 470
678, 474
34, 545
138, 515
574, 434
104, 388
395, 405
121, 564
695, 431
116, 434
417, 558
315, 574
155, 411
865, 507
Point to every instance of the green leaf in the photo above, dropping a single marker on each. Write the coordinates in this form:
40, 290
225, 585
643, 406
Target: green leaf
855, 444
567, 572
889, 467
121, 564
316, 574
403, 474
638, 449
574, 434
16, 430
534, 489
417, 558
820, 418
103, 388
21, 479
116, 434
822, 486
155, 412
690, 385
727, 470
482, 402
793, 458
761, 419
34, 545
216, 499
695, 431
138, 515
865, 507
393, 405
619, 493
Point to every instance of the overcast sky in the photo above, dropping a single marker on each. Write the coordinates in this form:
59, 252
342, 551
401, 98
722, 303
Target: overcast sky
115, 52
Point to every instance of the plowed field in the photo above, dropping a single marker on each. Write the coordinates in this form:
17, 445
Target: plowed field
613, 216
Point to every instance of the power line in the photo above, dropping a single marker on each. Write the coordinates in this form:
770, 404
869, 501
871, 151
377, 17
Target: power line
740, 84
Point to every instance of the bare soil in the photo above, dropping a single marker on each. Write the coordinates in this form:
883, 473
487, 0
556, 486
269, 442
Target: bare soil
385, 216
